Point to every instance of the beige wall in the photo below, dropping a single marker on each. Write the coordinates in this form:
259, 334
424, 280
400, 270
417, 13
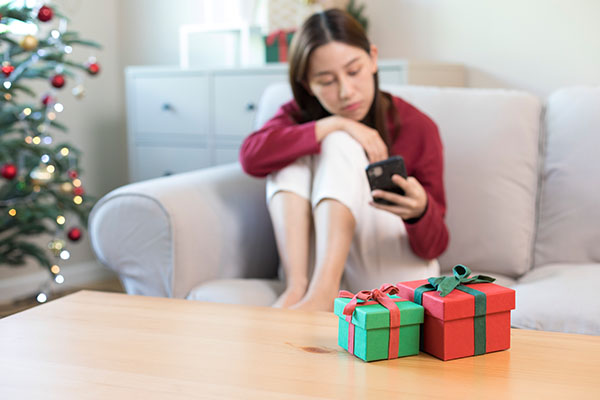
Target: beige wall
535, 45
97, 122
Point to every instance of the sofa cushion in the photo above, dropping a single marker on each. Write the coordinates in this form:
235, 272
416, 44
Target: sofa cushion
253, 292
491, 149
559, 297
569, 217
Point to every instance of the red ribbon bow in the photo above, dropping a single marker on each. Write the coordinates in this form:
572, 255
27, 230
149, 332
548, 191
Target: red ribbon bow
375, 296
281, 37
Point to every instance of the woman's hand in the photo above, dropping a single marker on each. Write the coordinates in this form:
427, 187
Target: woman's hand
412, 205
368, 137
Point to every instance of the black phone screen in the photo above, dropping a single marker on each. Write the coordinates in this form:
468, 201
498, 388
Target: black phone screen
380, 176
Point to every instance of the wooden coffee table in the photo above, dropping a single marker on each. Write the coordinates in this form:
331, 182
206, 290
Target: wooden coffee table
112, 346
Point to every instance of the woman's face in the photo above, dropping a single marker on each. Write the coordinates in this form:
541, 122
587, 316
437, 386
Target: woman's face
340, 76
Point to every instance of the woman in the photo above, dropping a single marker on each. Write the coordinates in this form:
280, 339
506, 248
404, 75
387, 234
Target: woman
314, 152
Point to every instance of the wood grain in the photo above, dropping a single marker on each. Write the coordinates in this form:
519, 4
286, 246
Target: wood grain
101, 345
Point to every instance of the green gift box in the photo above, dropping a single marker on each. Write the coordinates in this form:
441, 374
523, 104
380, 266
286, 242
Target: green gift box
276, 45
377, 324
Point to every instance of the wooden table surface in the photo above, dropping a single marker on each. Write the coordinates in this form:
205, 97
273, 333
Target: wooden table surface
113, 346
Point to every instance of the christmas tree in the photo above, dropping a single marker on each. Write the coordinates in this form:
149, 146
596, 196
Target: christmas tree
41, 192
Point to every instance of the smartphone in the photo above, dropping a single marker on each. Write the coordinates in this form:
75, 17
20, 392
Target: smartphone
380, 176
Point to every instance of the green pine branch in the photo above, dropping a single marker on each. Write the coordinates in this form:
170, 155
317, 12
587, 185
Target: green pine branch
15, 253
357, 11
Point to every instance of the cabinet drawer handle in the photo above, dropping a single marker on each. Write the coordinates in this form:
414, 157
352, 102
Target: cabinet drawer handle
250, 107
167, 107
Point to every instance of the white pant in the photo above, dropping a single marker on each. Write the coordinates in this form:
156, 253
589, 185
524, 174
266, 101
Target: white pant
380, 251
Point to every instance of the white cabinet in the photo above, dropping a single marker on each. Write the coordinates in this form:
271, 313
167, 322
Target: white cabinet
235, 100
181, 120
170, 105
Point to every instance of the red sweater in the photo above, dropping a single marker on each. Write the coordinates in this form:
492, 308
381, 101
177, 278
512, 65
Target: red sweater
282, 140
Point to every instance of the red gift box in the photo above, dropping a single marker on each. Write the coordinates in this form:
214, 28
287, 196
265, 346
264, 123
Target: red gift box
451, 329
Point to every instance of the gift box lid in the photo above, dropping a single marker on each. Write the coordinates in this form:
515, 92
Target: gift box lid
458, 304
374, 316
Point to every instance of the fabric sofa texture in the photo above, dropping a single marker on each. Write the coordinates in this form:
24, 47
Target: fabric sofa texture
522, 197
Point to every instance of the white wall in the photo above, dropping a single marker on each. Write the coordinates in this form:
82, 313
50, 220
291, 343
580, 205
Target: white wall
535, 45
150, 28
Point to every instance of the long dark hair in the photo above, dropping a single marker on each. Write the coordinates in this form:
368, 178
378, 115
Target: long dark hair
319, 29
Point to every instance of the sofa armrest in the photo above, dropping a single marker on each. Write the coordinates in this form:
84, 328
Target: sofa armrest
165, 236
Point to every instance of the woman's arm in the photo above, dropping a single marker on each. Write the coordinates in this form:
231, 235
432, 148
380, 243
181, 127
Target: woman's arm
282, 140
423, 208
278, 143
422, 214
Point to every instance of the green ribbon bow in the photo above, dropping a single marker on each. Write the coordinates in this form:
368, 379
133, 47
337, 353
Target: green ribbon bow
446, 284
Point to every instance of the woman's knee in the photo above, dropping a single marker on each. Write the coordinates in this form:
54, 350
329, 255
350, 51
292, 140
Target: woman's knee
296, 178
340, 141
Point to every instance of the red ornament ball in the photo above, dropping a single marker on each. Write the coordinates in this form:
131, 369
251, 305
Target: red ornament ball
7, 69
93, 68
47, 99
58, 81
74, 234
45, 14
78, 191
9, 171
73, 174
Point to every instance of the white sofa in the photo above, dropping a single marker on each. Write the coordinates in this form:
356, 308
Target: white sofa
523, 191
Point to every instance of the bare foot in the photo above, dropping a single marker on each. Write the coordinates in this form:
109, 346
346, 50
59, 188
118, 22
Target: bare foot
316, 302
289, 297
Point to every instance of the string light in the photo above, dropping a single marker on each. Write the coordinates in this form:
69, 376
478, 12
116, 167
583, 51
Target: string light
66, 187
41, 298
60, 220
51, 169
59, 279
36, 140
27, 111
28, 139
77, 182
55, 269
64, 151
12, 212
65, 255
77, 200
56, 245
45, 158
58, 107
